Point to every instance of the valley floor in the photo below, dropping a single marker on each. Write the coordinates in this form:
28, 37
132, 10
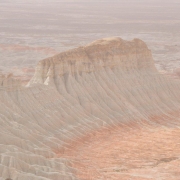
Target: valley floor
131, 152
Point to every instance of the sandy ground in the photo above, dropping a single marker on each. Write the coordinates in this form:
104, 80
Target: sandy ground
128, 153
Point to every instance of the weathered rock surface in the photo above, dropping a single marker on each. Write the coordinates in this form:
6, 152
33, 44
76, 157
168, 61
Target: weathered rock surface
48, 127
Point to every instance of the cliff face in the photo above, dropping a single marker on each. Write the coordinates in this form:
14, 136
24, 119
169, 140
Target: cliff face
113, 53
82, 95
8, 82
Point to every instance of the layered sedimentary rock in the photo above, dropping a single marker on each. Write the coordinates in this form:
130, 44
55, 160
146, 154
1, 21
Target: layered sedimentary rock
76, 96
112, 53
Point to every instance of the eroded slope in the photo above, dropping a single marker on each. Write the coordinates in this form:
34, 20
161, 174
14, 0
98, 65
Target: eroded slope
107, 84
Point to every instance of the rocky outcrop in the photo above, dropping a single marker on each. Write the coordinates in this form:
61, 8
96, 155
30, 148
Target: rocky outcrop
9, 82
113, 53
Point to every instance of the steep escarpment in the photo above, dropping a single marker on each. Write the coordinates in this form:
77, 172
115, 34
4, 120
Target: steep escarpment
73, 103
109, 77
112, 53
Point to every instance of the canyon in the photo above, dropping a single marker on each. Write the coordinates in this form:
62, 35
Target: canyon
99, 111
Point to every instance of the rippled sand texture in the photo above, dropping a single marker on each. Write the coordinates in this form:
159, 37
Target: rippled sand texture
101, 111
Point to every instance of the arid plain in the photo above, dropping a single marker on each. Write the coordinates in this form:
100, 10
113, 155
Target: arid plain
33, 30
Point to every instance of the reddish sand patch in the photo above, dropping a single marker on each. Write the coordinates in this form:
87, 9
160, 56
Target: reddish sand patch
135, 153
17, 47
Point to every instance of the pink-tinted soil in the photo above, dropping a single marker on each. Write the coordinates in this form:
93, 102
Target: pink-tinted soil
133, 153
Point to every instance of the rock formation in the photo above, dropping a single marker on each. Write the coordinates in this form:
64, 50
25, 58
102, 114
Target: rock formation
109, 53
110, 85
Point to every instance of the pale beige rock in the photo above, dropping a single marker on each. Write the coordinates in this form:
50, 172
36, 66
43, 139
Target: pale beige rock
105, 53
